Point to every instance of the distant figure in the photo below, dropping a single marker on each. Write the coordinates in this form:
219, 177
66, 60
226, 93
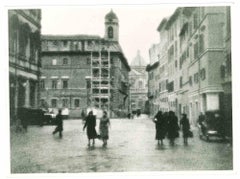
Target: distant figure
83, 115
90, 124
160, 125
173, 127
103, 128
59, 122
185, 126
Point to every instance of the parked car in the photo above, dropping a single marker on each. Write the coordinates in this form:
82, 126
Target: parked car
211, 127
50, 117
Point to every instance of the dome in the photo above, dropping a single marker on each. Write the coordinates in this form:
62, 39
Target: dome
111, 15
138, 60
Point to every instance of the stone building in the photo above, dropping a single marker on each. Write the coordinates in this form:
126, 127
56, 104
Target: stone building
198, 61
80, 71
24, 60
138, 84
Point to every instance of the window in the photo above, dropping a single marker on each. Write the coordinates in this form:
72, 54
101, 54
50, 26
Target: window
195, 50
54, 103
140, 84
175, 63
201, 43
76, 103
196, 77
195, 21
88, 61
54, 62
42, 84
171, 53
65, 43
222, 70
203, 74
181, 81
65, 61
190, 80
65, 84
54, 84
171, 86
65, 103
110, 32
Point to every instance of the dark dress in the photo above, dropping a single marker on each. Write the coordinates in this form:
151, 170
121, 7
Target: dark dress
173, 127
103, 128
91, 124
184, 122
160, 125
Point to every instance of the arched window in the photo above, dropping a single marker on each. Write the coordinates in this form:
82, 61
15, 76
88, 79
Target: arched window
65, 61
140, 84
110, 32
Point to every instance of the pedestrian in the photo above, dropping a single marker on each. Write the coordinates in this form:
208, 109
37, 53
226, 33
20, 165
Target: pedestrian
90, 123
173, 127
185, 126
59, 122
160, 125
103, 128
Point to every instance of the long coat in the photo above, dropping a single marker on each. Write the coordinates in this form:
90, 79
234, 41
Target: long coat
173, 127
160, 125
91, 124
184, 122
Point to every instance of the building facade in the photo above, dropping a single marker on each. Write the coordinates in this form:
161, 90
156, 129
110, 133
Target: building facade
24, 59
138, 84
84, 71
198, 61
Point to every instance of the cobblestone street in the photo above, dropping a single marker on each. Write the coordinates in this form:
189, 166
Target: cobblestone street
131, 147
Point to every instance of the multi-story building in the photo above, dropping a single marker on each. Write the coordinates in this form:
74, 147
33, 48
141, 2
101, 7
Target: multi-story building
138, 83
198, 60
153, 88
80, 71
24, 61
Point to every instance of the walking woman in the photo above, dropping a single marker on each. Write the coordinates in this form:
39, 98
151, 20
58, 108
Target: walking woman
185, 126
103, 128
91, 124
160, 124
173, 127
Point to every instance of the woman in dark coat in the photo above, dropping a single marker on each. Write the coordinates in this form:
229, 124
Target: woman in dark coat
173, 127
160, 124
91, 124
185, 126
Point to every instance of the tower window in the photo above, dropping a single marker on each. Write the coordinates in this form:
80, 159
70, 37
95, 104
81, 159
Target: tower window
110, 32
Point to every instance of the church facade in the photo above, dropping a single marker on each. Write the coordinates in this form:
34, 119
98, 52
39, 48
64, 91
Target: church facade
138, 79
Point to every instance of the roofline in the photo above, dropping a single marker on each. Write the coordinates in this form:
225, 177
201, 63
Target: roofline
69, 37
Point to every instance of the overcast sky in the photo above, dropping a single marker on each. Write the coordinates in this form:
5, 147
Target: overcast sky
137, 24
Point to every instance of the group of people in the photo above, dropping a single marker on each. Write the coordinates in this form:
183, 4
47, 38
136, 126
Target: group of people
90, 124
167, 126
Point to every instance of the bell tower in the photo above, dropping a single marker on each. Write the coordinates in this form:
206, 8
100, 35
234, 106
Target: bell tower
111, 27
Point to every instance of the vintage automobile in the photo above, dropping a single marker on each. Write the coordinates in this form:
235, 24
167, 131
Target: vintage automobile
50, 116
211, 127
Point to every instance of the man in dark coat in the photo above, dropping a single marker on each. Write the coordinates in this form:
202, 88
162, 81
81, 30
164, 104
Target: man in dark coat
59, 121
90, 124
173, 127
160, 123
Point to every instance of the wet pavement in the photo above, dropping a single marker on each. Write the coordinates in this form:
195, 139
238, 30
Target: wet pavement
131, 147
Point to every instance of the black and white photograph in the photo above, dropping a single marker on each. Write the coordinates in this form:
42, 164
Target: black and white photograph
119, 88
